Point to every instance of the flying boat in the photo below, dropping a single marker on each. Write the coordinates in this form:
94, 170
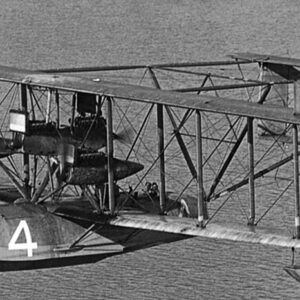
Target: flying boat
127, 157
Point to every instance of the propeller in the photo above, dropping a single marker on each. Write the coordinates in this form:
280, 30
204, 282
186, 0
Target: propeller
10, 146
125, 136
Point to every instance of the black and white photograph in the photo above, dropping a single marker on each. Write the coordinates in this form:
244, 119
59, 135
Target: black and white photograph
150, 149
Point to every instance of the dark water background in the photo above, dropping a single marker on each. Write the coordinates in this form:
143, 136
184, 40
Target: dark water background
47, 34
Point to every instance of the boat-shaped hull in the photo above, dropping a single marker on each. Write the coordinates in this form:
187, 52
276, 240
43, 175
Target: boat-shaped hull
32, 237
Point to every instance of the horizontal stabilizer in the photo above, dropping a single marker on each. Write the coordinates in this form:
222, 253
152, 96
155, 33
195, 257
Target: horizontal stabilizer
188, 226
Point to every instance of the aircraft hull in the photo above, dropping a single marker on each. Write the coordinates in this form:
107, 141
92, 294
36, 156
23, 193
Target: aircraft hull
6, 265
31, 237
30, 234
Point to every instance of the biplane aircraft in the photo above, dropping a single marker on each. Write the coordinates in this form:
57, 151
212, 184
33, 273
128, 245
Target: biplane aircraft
126, 157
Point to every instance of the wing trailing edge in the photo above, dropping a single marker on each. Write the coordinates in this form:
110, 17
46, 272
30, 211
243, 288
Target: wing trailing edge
188, 226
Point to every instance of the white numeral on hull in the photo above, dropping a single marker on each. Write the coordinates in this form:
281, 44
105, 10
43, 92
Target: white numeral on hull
29, 245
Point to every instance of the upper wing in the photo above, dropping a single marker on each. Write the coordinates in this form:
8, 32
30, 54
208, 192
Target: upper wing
150, 95
264, 58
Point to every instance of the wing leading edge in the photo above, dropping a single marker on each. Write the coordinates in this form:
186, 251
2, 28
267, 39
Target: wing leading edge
150, 95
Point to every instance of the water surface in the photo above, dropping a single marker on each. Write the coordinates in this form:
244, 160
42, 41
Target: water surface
47, 34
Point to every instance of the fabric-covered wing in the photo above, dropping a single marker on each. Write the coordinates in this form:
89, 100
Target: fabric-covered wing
150, 95
188, 226
264, 58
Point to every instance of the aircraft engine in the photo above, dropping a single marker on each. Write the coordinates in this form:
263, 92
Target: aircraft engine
94, 170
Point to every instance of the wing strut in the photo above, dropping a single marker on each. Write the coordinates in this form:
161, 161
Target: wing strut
251, 171
202, 210
110, 151
161, 153
296, 181
23, 91
234, 149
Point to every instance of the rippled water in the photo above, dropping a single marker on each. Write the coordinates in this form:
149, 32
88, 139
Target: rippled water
42, 34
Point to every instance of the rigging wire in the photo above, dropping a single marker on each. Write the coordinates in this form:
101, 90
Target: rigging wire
7, 93
220, 207
11, 103
274, 202
141, 140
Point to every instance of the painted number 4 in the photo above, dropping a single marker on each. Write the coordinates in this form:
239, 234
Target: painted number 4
29, 245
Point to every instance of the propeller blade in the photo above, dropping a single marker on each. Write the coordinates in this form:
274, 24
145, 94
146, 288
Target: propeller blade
125, 136
9, 146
